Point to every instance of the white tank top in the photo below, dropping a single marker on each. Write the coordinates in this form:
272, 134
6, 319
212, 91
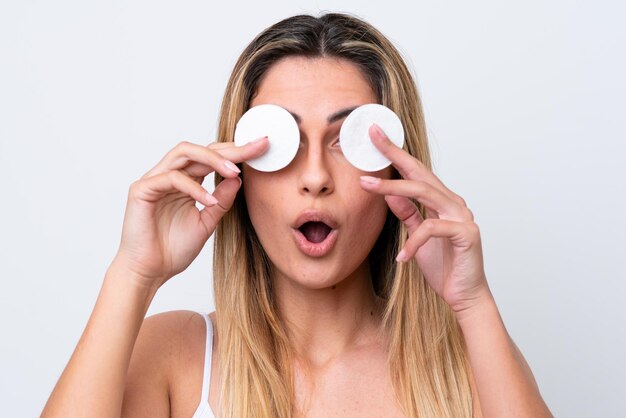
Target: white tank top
204, 409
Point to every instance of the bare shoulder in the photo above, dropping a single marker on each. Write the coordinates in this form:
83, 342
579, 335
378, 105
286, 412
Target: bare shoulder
165, 336
172, 324
164, 367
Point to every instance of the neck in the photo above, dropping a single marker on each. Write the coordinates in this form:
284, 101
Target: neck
322, 324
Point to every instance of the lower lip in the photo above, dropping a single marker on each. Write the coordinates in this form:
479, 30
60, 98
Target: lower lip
313, 249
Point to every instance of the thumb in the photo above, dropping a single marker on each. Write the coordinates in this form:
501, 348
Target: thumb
225, 193
405, 210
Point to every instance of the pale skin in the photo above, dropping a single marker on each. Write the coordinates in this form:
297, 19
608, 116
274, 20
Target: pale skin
127, 366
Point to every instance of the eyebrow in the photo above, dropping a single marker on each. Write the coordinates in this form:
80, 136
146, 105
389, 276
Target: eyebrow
338, 115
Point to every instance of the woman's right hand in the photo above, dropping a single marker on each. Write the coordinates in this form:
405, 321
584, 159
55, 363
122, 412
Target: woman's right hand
163, 230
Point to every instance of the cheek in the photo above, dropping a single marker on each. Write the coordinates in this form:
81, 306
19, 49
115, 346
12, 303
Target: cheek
259, 200
375, 211
374, 207
368, 212
267, 204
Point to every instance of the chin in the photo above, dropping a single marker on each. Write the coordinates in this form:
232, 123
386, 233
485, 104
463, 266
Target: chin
318, 276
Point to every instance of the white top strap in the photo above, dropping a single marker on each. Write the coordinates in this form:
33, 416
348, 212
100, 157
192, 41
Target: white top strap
208, 354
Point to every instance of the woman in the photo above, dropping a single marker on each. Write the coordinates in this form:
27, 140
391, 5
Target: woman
392, 317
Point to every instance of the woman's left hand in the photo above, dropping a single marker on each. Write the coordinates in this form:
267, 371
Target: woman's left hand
446, 245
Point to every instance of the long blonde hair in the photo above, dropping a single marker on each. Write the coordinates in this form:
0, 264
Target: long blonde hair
427, 360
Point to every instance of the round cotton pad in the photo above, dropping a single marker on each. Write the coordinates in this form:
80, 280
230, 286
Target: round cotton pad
281, 129
355, 141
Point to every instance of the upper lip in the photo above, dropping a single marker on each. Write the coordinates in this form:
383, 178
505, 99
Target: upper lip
314, 215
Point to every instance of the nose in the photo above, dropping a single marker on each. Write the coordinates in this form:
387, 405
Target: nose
314, 174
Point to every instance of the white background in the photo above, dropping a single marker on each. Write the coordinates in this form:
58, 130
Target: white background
525, 110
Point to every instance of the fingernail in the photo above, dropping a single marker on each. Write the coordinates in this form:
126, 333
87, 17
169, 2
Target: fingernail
259, 139
401, 257
211, 200
370, 179
231, 166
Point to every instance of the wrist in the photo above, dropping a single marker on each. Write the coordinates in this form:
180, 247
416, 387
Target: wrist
118, 274
483, 304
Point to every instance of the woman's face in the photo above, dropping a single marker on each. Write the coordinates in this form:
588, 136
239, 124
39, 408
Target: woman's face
313, 219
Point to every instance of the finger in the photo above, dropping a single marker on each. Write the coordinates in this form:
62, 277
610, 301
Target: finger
154, 188
225, 193
185, 152
220, 145
231, 152
462, 234
424, 192
405, 210
408, 166
238, 154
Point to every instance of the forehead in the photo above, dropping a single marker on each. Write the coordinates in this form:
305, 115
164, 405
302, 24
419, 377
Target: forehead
301, 82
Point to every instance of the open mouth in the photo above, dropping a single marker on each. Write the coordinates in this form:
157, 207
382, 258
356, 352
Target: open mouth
315, 232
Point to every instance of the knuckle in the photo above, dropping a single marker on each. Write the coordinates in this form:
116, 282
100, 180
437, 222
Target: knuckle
470, 214
215, 154
458, 199
214, 148
413, 169
153, 172
473, 230
174, 176
182, 148
135, 187
467, 214
429, 224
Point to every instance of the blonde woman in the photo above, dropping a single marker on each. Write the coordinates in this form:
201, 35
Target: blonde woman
389, 316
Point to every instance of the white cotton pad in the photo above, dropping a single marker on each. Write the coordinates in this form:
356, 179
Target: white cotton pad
281, 129
355, 141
